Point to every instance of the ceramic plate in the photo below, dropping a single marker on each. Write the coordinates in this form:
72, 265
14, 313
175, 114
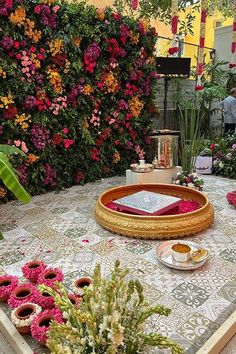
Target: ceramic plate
164, 255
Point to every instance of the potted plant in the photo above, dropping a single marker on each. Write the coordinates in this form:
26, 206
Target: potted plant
23, 315
111, 318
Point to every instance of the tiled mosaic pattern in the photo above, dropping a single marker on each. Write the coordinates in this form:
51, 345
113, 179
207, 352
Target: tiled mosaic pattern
60, 229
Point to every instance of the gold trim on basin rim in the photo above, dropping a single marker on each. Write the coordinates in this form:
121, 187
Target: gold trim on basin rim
154, 227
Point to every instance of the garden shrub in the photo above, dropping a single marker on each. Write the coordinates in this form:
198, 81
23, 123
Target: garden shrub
76, 88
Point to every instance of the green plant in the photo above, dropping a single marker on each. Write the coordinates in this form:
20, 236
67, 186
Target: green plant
190, 118
8, 174
110, 319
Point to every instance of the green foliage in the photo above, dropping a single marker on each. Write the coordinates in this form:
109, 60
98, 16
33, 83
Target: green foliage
111, 318
190, 118
223, 151
9, 177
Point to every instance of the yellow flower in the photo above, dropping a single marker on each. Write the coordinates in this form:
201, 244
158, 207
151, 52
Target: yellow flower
135, 106
3, 73
150, 60
55, 46
23, 120
55, 80
18, 16
6, 100
145, 23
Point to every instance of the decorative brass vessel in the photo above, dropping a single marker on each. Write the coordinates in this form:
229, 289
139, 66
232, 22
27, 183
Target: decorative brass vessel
155, 227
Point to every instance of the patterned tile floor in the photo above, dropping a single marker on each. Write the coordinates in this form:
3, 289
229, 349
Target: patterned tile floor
60, 229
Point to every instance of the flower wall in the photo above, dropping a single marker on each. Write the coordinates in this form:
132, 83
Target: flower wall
76, 87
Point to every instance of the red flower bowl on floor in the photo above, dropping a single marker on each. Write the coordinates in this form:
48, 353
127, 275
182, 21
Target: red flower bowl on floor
231, 198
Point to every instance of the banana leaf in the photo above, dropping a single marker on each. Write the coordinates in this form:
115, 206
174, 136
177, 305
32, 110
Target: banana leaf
8, 150
11, 181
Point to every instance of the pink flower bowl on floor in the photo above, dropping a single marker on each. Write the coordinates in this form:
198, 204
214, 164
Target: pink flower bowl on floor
22, 294
31, 270
7, 284
231, 198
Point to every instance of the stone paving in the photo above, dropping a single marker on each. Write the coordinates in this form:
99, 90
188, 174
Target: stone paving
59, 228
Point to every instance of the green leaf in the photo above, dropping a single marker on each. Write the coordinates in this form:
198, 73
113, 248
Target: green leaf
9, 150
10, 179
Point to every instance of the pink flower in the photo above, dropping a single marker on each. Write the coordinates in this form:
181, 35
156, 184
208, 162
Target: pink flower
56, 8
37, 9
24, 147
17, 143
68, 143
234, 146
65, 130
7, 284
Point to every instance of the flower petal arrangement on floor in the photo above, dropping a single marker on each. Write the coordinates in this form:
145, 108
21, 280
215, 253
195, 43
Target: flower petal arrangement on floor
76, 93
107, 315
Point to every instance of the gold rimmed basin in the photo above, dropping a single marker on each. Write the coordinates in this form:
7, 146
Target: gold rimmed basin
154, 227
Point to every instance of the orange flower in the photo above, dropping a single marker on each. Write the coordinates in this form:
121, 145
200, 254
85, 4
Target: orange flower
55, 46
2, 192
32, 158
111, 82
76, 41
100, 14
116, 157
88, 90
135, 106
18, 17
23, 120
134, 39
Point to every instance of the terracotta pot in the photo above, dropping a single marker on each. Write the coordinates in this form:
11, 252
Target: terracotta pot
22, 293
80, 284
47, 301
22, 313
75, 300
45, 321
50, 275
2, 284
33, 265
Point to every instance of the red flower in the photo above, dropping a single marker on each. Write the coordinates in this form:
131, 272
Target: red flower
116, 16
199, 87
80, 176
173, 50
10, 113
57, 139
68, 143
212, 146
94, 154
16, 44
65, 130
231, 65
